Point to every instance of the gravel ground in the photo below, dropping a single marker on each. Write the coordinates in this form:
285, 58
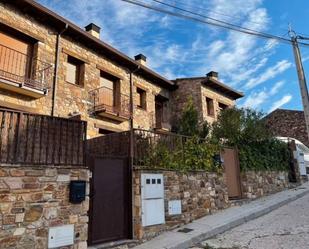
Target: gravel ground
284, 228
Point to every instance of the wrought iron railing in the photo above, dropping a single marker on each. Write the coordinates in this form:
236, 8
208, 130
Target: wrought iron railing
41, 140
23, 69
104, 99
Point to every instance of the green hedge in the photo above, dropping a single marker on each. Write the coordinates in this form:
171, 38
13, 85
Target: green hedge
269, 154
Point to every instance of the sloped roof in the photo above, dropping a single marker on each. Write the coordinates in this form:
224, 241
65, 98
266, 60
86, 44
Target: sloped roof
58, 22
216, 85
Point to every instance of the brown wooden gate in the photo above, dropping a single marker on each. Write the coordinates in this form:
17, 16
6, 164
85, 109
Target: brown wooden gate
232, 172
110, 205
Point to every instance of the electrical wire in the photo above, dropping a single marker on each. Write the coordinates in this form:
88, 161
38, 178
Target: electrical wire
209, 10
215, 22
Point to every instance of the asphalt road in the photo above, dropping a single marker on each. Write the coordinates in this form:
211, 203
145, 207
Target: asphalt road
284, 228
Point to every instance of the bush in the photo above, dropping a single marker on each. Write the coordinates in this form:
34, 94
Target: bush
189, 124
193, 154
269, 154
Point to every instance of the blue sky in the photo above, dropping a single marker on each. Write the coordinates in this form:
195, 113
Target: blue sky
263, 69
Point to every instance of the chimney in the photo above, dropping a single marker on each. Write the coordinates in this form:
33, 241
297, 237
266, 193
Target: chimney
142, 59
212, 74
93, 30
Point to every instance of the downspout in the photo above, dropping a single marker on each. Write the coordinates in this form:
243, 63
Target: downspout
55, 79
131, 148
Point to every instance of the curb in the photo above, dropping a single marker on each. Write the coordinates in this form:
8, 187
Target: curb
236, 222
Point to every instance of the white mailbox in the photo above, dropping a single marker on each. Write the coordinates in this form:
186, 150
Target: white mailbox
152, 199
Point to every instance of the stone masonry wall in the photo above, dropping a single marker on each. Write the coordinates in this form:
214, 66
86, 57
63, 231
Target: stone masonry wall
201, 193
192, 87
33, 199
259, 183
217, 97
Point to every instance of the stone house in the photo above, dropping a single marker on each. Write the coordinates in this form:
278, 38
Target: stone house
70, 72
208, 94
288, 123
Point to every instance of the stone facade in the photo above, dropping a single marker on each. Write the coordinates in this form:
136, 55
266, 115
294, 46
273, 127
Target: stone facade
288, 123
71, 98
200, 193
259, 183
198, 91
32, 199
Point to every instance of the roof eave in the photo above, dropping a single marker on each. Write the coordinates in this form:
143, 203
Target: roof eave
117, 55
223, 88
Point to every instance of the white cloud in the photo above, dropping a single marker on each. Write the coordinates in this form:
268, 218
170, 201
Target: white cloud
269, 73
275, 89
256, 99
284, 100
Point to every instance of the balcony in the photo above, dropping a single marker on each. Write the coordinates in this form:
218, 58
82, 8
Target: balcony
162, 124
109, 104
23, 74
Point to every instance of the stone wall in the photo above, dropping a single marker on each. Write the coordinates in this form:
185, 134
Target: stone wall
259, 183
201, 193
193, 88
288, 123
32, 199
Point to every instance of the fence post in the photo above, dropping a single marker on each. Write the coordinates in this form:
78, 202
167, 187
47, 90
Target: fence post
19, 124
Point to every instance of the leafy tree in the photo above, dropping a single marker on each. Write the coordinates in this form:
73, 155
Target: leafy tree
189, 124
235, 126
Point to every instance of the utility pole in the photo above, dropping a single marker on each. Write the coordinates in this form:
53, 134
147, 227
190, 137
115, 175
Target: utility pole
301, 75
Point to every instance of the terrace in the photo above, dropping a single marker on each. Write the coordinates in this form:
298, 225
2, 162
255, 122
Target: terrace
110, 104
23, 74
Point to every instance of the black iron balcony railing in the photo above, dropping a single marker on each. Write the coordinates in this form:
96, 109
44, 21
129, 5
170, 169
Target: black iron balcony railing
106, 100
23, 69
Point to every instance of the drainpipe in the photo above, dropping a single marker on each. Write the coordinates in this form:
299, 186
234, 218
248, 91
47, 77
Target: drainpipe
131, 148
55, 79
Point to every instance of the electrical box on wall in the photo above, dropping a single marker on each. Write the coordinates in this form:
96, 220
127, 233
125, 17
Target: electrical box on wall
77, 191
61, 236
174, 207
152, 190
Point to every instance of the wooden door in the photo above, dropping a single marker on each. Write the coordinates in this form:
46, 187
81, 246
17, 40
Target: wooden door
232, 172
110, 208
158, 113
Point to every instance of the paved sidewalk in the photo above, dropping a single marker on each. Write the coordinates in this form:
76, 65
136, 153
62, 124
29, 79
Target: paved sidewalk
220, 222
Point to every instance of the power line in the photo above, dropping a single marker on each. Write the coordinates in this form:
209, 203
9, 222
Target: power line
217, 23
207, 17
211, 11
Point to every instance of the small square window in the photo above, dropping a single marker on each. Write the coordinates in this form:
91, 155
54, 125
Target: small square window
153, 181
74, 71
141, 98
159, 181
147, 181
